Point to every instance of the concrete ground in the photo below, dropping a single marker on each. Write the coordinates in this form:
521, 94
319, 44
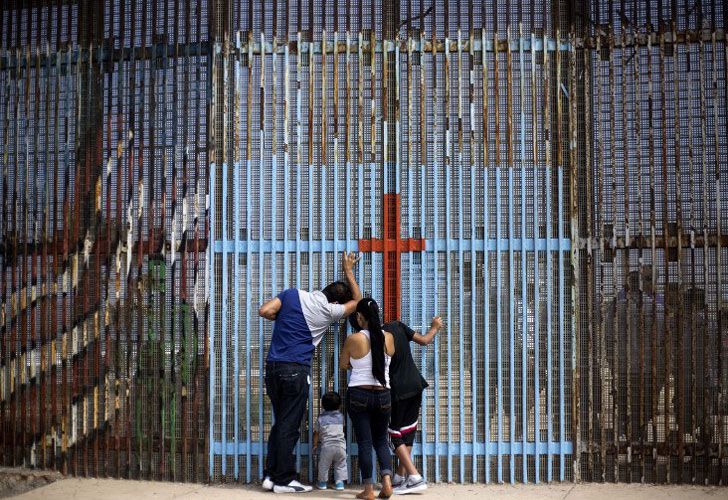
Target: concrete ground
74, 488
16, 480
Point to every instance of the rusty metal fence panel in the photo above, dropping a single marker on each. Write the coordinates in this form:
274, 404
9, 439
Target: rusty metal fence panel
550, 176
103, 229
654, 336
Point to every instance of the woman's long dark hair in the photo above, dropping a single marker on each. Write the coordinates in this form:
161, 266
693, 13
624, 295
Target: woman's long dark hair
370, 310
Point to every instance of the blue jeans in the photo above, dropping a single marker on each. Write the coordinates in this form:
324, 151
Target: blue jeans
287, 387
369, 412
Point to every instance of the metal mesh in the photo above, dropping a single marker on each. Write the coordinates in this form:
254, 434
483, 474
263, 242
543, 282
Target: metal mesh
655, 291
477, 269
103, 247
558, 162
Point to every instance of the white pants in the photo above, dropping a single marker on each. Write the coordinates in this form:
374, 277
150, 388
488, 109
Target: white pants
335, 455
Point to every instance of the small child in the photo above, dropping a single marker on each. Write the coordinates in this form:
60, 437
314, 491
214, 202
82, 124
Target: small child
328, 438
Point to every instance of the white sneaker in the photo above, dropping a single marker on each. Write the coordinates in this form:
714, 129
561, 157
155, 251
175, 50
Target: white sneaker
292, 487
267, 484
398, 480
411, 486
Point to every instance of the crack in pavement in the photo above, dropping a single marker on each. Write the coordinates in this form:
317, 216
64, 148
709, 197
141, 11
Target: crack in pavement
568, 492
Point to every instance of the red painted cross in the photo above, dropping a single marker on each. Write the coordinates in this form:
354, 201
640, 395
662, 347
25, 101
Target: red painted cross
392, 246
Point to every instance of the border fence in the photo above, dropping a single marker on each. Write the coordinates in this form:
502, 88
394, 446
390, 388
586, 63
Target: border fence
544, 175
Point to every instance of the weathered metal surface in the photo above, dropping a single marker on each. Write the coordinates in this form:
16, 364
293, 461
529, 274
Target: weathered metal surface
547, 177
103, 361
656, 246
440, 200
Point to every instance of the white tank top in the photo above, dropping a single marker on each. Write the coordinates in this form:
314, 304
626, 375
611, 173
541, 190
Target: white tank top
361, 369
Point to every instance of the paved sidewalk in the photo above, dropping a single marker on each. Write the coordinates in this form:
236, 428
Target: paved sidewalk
134, 490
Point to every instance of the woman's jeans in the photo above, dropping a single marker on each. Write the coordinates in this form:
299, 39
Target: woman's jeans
369, 412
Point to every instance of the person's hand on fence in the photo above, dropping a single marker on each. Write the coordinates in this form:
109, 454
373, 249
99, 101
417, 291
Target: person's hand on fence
437, 323
350, 260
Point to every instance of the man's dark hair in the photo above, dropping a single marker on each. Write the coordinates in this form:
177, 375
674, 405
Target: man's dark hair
331, 401
354, 323
339, 292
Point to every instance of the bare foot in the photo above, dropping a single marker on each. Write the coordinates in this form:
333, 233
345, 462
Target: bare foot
385, 492
366, 495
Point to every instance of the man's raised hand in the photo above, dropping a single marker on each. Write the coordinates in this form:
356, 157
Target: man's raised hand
350, 260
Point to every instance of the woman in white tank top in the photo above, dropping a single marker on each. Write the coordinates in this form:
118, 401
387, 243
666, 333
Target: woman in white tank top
361, 369
368, 354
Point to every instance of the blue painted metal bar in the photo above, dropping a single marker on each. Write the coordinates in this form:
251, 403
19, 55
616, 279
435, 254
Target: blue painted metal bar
448, 254
372, 162
536, 280
236, 276
286, 165
324, 174
499, 338
536, 324
387, 184
360, 159
549, 293
273, 177
299, 170
436, 266
347, 159
261, 263
562, 290
311, 283
211, 300
410, 169
372, 224
524, 277
236, 312
248, 307
486, 264
423, 298
335, 221
512, 324
560, 255
423, 261
355, 171
322, 268
397, 130
441, 244
511, 270
547, 171
460, 257
248, 269
225, 299
478, 448
473, 261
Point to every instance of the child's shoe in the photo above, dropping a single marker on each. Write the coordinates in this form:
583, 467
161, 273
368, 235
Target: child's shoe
339, 485
322, 485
